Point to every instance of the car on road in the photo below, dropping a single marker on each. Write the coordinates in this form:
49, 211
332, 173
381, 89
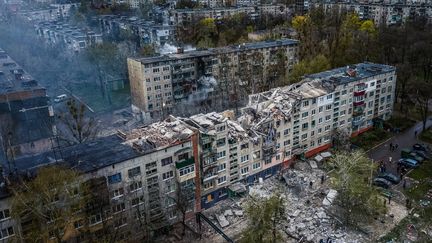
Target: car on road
390, 177
407, 153
381, 182
420, 147
60, 98
410, 163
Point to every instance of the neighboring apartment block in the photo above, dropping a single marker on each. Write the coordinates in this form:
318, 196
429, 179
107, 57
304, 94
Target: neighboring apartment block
384, 13
72, 38
26, 115
140, 171
55, 11
148, 32
181, 16
158, 83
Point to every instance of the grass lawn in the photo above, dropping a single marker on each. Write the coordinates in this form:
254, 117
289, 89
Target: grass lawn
426, 136
370, 138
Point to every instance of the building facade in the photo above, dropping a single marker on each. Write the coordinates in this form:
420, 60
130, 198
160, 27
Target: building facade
183, 16
159, 83
71, 38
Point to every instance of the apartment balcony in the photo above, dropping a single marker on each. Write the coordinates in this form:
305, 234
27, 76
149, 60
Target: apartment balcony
359, 93
185, 162
209, 177
358, 121
359, 103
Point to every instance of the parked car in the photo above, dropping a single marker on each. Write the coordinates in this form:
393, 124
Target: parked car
381, 182
422, 154
420, 147
407, 153
390, 177
60, 98
410, 163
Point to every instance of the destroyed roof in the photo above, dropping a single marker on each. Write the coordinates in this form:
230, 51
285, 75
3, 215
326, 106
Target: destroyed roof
206, 124
214, 51
157, 135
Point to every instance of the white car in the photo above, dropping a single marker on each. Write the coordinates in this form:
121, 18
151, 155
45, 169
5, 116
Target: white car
60, 98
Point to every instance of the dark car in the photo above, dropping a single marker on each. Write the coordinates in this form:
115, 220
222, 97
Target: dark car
390, 177
420, 147
410, 163
422, 154
381, 182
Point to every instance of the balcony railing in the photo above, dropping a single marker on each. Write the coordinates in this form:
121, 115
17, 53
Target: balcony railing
185, 162
359, 103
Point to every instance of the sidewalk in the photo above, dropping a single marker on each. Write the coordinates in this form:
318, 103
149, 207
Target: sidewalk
405, 140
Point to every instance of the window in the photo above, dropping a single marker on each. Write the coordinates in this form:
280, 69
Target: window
320, 109
118, 192
287, 142
135, 186
134, 172
137, 201
342, 113
157, 87
389, 88
118, 208
183, 156
78, 224
244, 146
320, 120
305, 114
221, 167
372, 84
313, 112
221, 180
220, 128
319, 130
147, 80
344, 92
166, 68
244, 170
120, 222
257, 154
286, 131
116, 178
244, 158
371, 93
304, 136
156, 79
328, 117
5, 233
4, 214
168, 175
256, 166
278, 157
186, 170
221, 154
221, 142
166, 161
327, 128
305, 126
155, 70
95, 219
328, 107
306, 103
329, 96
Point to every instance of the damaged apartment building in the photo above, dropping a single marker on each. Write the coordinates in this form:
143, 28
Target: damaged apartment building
69, 37
227, 74
146, 32
26, 115
135, 175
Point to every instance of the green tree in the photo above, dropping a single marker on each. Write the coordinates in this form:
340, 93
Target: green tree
43, 204
317, 64
265, 216
422, 96
357, 200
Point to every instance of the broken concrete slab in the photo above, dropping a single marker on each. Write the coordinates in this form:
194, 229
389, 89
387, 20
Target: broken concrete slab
223, 222
313, 164
238, 213
228, 212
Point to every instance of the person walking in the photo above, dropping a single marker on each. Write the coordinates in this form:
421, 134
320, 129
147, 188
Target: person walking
391, 146
404, 184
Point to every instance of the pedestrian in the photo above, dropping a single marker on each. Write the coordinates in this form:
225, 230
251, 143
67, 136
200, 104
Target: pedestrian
389, 199
310, 184
322, 179
407, 202
391, 146
396, 146
404, 184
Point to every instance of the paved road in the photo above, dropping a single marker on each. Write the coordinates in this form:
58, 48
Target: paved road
405, 140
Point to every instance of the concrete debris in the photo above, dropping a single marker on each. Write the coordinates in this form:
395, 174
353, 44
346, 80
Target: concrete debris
238, 213
328, 200
223, 222
228, 212
313, 164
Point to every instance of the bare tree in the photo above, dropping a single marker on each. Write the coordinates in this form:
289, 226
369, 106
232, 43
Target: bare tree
183, 199
79, 126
